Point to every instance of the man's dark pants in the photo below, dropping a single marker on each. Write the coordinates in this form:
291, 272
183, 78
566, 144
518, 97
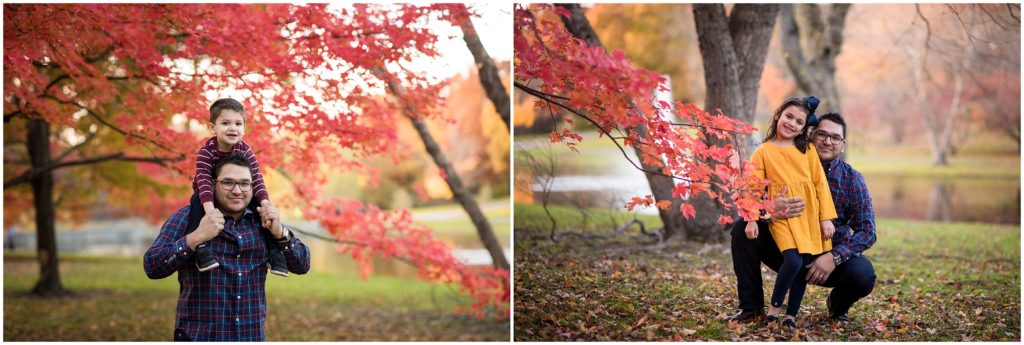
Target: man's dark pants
851, 280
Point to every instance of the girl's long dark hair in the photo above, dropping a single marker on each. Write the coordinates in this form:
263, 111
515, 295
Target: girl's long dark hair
801, 140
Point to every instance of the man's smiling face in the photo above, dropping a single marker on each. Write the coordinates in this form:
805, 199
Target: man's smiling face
828, 139
233, 202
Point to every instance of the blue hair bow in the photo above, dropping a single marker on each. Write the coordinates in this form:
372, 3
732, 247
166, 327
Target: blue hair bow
812, 104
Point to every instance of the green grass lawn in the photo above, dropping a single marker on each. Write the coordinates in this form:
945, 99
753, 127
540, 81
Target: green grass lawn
458, 228
936, 282
114, 300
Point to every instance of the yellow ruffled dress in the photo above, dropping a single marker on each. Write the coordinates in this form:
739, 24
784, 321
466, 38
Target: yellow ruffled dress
803, 174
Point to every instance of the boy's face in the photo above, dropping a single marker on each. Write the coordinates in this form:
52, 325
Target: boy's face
229, 127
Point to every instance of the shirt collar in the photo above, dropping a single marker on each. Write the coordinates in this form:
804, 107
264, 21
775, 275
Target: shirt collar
828, 165
245, 213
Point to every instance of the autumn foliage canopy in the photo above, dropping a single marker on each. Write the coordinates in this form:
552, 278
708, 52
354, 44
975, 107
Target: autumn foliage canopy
135, 81
617, 98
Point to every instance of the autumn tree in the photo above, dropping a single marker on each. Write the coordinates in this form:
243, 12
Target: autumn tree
127, 87
563, 64
733, 50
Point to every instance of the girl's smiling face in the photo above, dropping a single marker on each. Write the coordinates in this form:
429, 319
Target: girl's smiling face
791, 122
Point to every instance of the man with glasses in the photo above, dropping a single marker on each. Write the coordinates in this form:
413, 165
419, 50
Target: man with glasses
228, 303
844, 268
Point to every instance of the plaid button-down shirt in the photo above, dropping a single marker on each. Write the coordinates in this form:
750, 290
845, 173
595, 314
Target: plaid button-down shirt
855, 227
228, 302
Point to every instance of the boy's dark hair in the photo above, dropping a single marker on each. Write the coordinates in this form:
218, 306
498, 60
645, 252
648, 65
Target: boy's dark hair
225, 104
834, 117
801, 140
234, 158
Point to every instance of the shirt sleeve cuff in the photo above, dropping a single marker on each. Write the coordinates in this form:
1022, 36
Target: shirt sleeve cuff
181, 247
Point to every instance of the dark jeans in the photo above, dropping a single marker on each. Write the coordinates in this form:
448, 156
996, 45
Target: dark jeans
852, 280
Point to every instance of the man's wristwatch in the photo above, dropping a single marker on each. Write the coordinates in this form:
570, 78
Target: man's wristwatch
836, 258
286, 234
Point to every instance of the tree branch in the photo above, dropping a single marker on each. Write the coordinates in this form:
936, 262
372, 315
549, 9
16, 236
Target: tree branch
76, 147
29, 175
335, 240
543, 97
106, 123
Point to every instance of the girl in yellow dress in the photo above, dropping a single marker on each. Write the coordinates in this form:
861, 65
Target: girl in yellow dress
790, 162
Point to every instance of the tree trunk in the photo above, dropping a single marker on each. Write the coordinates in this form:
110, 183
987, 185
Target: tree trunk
733, 51
483, 227
488, 72
810, 46
661, 186
939, 125
42, 190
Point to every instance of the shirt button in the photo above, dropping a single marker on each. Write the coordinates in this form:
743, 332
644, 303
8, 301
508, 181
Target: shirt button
239, 297
238, 256
239, 274
239, 237
236, 319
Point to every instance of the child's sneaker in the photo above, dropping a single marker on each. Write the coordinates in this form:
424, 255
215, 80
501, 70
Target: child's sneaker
277, 263
204, 258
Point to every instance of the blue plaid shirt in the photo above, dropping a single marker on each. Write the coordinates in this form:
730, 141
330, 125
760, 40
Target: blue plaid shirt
855, 227
228, 302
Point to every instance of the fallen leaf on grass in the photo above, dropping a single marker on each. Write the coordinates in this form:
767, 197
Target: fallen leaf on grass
641, 322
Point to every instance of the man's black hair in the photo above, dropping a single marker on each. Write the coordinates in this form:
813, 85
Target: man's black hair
234, 158
225, 104
834, 117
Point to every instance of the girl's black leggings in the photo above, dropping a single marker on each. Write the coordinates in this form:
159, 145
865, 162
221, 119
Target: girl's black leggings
792, 278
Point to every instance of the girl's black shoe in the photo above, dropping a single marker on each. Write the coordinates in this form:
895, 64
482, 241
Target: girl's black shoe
770, 319
789, 324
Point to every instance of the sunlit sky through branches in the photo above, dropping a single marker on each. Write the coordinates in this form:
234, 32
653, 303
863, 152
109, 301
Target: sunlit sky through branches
493, 23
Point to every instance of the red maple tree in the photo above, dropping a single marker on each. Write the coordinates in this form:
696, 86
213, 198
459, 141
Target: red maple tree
608, 91
133, 79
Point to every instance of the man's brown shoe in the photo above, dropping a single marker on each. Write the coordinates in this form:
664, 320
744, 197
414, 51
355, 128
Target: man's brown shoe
744, 316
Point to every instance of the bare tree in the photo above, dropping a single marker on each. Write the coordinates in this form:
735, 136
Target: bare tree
543, 170
951, 47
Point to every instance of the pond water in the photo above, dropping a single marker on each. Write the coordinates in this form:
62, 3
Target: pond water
584, 180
